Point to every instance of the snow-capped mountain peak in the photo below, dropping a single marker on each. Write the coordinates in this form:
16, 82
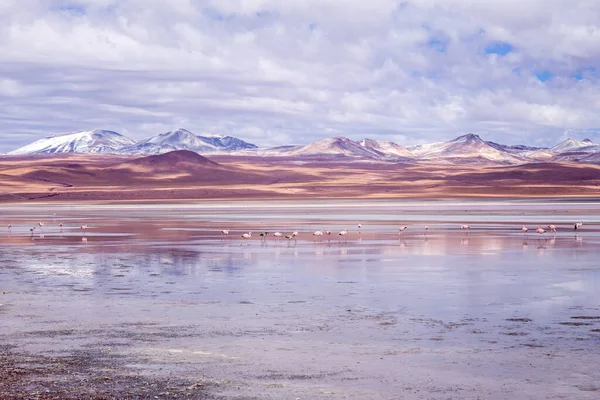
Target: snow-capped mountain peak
94, 141
570, 145
182, 139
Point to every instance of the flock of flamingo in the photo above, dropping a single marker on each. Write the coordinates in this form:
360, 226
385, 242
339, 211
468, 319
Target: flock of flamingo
40, 225
343, 234
319, 234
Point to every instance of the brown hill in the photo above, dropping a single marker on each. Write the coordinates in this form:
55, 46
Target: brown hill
174, 161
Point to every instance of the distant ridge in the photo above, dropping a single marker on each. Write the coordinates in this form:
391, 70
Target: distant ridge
465, 149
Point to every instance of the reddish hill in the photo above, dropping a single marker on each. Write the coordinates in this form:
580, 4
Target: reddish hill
179, 160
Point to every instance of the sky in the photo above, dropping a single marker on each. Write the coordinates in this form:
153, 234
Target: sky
276, 72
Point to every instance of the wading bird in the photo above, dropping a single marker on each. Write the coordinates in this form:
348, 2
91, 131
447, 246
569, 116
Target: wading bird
278, 235
465, 227
541, 231
10, 226
317, 234
342, 234
295, 233
225, 232
359, 226
402, 229
426, 229
41, 225
578, 225
263, 235
552, 228
247, 236
524, 229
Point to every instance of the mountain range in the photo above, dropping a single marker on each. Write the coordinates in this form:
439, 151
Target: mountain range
470, 148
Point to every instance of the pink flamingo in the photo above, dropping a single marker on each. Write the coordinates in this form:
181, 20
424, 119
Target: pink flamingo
317, 234
41, 225
342, 234
247, 236
225, 232
524, 229
426, 229
9, 227
578, 225
552, 228
359, 226
278, 235
465, 227
402, 229
541, 231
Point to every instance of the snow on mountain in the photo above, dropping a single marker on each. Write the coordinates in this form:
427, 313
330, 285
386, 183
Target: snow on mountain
389, 149
573, 145
95, 141
336, 146
179, 139
514, 148
465, 147
182, 139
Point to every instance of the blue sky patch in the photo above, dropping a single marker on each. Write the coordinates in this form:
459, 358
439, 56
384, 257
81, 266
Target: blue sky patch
586, 72
543, 76
77, 9
438, 44
500, 48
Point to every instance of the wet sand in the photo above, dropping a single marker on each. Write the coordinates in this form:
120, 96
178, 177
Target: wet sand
152, 302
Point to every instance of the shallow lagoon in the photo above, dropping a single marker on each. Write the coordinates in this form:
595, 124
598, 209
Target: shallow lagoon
489, 313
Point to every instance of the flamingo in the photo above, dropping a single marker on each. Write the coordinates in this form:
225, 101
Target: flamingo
32, 230
317, 234
465, 227
225, 232
278, 235
402, 229
578, 225
552, 228
295, 233
426, 229
541, 231
247, 236
263, 235
41, 225
290, 237
83, 227
10, 226
343, 234
524, 229
359, 226
328, 233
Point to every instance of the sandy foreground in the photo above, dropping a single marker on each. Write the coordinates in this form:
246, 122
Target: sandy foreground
152, 302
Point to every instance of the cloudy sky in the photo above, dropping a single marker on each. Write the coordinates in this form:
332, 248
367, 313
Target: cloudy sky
281, 72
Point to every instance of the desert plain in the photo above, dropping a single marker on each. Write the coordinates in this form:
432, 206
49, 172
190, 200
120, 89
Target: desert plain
184, 175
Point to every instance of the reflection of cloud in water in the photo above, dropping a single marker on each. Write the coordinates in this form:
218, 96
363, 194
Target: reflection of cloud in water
575, 286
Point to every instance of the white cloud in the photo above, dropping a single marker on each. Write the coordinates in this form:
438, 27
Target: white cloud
273, 71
